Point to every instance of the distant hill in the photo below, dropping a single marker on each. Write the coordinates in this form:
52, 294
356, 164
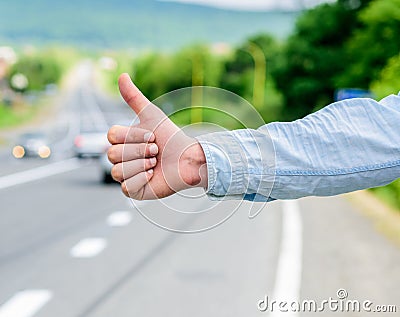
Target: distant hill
131, 23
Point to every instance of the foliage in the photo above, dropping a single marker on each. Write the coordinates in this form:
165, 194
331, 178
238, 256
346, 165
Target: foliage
373, 43
388, 81
159, 73
239, 74
389, 193
109, 77
314, 56
40, 70
10, 117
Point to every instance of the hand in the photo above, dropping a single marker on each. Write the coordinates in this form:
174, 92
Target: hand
155, 158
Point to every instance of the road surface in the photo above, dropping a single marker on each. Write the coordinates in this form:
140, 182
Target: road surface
73, 247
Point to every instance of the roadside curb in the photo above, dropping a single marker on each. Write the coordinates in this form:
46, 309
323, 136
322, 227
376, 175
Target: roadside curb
385, 218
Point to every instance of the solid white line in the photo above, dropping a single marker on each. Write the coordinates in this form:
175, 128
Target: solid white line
39, 173
288, 277
119, 219
26, 303
88, 248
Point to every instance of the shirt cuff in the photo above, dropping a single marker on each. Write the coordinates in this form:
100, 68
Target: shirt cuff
240, 164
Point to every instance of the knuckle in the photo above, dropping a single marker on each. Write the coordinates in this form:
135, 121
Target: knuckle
132, 134
140, 150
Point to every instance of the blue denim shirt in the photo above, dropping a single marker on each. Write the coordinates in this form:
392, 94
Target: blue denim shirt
349, 145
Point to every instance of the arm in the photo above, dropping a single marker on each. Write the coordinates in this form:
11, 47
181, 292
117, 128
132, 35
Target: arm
347, 146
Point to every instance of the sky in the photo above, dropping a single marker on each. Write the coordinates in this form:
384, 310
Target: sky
257, 4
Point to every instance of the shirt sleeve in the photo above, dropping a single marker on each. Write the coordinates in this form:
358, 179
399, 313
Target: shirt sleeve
349, 145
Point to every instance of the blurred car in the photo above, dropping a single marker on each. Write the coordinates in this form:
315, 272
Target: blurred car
90, 144
105, 168
33, 144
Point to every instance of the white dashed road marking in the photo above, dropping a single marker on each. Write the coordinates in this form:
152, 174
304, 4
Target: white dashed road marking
88, 248
119, 219
288, 277
26, 303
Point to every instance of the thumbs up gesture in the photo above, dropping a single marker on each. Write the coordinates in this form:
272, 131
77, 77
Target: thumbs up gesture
155, 158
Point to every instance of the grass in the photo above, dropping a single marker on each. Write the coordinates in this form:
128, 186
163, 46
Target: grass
15, 116
390, 194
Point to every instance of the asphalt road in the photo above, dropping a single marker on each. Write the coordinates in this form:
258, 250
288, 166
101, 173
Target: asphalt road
73, 247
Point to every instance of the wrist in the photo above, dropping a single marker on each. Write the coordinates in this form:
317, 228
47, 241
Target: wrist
193, 166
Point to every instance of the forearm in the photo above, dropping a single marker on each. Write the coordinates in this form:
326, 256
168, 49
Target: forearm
350, 145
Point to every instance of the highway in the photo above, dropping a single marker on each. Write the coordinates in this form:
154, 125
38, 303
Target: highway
71, 246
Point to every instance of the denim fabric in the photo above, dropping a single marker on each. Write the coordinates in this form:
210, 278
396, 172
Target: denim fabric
349, 145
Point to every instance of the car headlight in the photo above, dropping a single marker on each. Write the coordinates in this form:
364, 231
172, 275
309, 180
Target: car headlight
44, 151
18, 151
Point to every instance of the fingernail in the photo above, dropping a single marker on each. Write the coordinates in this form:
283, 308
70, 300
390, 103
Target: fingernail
150, 171
153, 161
153, 149
148, 137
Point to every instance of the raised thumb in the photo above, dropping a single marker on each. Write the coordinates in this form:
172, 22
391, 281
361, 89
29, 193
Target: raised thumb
135, 98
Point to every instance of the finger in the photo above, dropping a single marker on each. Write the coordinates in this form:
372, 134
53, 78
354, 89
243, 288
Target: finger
125, 170
133, 187
120, 134
131, 94
128, 152
136, 100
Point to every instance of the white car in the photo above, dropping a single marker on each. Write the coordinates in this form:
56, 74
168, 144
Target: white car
90, 144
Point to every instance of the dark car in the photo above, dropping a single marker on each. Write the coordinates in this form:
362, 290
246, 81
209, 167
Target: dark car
33, 144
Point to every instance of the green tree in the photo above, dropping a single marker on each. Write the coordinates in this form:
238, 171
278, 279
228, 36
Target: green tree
39, 70
158, 73
314, 56
388, 81
377, 40
239, 74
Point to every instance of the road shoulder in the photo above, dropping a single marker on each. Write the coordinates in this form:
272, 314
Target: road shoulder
385, 218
